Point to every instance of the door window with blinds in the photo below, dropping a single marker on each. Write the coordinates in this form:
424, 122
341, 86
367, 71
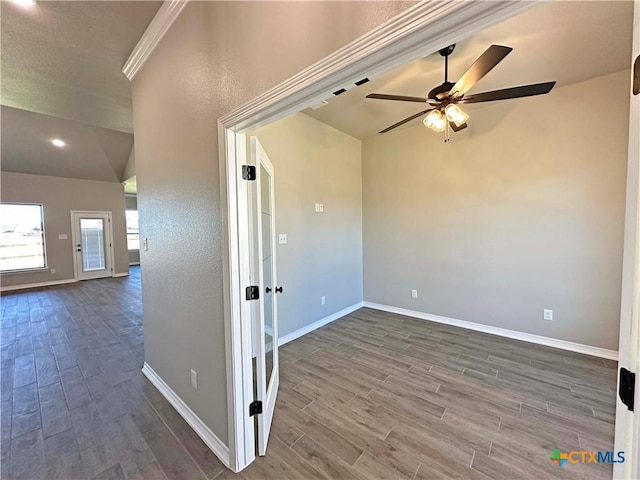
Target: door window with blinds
93, 244
22, 245
92, 237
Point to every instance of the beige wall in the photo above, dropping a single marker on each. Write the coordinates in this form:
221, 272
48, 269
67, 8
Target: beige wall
315, 163
59, 196
216, 56
522, 211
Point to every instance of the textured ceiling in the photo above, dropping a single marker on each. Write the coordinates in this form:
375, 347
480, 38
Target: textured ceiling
64, 58
564, 41
91, 153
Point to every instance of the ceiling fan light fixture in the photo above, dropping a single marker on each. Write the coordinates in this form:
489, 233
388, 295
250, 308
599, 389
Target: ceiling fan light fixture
435, 121
455, 114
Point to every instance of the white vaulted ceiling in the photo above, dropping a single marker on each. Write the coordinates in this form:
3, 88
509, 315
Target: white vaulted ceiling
90, 153
64, 59
563, 41
62, 78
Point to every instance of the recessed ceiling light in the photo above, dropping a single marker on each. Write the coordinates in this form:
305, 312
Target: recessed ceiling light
58, 143
24, 3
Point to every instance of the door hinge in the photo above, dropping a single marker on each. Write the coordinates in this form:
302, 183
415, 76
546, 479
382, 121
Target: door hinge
255, 408
248, 172
627, 387
253, 292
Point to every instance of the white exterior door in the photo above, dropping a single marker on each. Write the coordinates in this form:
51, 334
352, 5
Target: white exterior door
627, 433
264, 271
92, 244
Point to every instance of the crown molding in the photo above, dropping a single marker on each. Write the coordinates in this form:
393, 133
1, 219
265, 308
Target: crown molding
159, 25
417, 31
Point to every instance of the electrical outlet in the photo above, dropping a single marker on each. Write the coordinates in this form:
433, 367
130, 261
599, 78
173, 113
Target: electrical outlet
53, 270
282, 238
414, 293
547, 314
322, 300
194, 379
321, 207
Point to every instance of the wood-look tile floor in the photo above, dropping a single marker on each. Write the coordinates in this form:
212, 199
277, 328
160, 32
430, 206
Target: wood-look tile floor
75, 404
377, 395
371, 396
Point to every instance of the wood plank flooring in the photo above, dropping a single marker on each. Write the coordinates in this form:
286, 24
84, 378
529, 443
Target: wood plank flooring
75, 404
370, 396
378, 395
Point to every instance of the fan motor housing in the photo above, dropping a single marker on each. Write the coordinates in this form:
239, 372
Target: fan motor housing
441, 91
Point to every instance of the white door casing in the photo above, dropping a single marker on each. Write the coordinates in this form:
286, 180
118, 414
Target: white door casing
627, 426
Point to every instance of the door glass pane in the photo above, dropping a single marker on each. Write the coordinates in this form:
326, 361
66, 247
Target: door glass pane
267, 268
93, 245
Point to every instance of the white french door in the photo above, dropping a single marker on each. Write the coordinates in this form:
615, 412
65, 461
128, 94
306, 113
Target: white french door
92, 244
265, 313
627, 432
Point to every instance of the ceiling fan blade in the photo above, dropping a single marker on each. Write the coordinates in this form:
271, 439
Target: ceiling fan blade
400, 98
408, 119
483, 65
507, 93
456, 128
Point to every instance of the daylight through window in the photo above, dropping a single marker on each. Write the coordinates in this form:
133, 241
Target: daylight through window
133, 235
22, 237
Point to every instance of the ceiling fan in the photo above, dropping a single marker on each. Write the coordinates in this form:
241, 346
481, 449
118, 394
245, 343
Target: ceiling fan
443, 100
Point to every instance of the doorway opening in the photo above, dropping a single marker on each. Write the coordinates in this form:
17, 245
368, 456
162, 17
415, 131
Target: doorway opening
340, 72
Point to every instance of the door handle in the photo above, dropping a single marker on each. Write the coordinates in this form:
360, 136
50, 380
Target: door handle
79, 248
278, 289
268, 289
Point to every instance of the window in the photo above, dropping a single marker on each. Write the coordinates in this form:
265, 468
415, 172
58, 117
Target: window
21, 237
133, 235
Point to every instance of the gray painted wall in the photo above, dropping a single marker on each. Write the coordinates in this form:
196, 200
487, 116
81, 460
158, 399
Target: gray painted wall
216, 56
315, 163
522, 211
59, 196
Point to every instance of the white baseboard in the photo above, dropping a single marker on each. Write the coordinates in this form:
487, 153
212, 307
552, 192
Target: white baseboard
37, 285
216, 445
320, 323
502, 332
117, 275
